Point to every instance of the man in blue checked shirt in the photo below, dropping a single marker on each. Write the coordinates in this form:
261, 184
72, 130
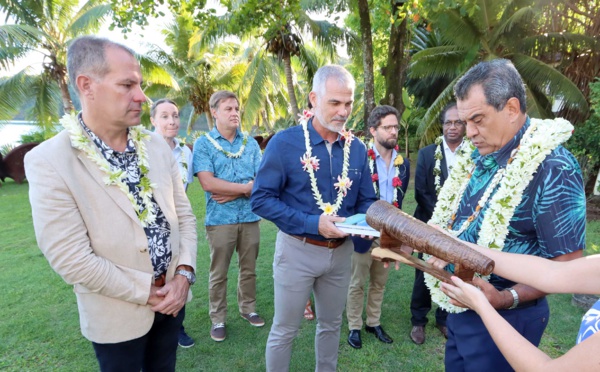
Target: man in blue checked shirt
226, 162
312, 176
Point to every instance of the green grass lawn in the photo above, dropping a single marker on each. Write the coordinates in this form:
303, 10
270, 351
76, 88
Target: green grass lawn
40, 329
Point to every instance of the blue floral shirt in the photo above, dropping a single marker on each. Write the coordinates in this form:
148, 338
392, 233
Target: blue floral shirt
207, 158
158, 233
549, 221
590, 323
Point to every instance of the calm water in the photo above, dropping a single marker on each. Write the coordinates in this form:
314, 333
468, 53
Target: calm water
10, 132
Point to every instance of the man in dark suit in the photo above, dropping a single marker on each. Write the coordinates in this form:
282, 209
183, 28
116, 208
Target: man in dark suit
433, 165
390, 173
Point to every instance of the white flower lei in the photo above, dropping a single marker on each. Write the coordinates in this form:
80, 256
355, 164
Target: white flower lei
114, 176
437, 169
311, 163
182, 161
227, 153
535, 146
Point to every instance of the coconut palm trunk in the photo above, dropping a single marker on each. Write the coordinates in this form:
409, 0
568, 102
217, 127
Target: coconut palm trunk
289, 77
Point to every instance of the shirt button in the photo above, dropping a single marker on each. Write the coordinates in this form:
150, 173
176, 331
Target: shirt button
144, 249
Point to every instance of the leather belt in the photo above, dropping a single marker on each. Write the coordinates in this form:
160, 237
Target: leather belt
329, 243
160, 281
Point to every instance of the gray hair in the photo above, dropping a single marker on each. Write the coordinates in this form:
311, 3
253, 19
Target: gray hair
158, 103
219, 96
331, 72
379, 113
500, 81
86, 55
442, 116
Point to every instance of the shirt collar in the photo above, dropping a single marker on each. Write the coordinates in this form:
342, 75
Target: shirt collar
501, 156
315, 137
216, 134
104, 148
377, 155
446, 147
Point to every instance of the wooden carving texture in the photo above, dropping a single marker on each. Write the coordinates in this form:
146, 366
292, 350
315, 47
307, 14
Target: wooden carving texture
398, 228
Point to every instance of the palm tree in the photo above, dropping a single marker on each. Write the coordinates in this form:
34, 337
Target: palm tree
281, 25
44, 27
496, 29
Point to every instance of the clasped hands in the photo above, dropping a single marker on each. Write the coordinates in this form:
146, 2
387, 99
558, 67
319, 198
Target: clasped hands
170, 298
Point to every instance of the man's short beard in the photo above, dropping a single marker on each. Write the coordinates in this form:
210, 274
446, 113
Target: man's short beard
330, 127
389, 144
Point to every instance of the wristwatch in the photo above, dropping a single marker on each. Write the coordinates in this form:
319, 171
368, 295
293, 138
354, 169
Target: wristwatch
515, 296
189, 275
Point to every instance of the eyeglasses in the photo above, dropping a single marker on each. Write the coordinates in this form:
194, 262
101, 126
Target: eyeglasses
455, 123
390, 128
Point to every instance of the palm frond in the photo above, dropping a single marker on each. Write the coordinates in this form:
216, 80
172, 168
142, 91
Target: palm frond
89, 19
559, 41
547, 79
521, 17
47, 101
457, 29
436, 62
538, 105
154, 73
14, 93
429, 127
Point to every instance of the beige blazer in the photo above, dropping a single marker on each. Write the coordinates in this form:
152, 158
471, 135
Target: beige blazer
92, 238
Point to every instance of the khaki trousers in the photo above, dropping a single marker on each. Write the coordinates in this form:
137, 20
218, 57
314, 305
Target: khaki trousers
223, 240
298, 269
365, 267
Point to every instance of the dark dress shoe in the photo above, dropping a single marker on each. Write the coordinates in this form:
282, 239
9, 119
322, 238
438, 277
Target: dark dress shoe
442, 329
379, 333
354, 338
417, 334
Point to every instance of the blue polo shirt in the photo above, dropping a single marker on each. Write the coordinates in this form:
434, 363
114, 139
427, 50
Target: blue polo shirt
237, 170
282, 191
549, 221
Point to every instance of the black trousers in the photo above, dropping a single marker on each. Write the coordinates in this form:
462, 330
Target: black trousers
420, 302
155, 351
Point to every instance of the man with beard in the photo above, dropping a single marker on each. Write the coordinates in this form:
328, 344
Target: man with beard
226, 161
390, 174
433, 166
313, 175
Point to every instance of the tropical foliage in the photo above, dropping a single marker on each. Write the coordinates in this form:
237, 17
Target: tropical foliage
44, 27
488, 29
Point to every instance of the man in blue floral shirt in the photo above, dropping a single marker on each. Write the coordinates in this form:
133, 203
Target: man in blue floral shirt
226, 162
548, 221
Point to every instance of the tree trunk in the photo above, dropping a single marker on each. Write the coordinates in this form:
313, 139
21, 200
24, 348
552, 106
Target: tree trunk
397, 61
367, 57
65, 95
289, 77
209, 120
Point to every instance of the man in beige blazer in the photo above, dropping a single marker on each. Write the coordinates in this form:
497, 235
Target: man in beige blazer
111, 215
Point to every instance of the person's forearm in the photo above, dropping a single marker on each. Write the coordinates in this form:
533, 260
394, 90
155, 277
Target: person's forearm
518, 351
214, 185
547, 275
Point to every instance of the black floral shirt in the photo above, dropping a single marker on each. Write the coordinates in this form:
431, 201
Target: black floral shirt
158, 232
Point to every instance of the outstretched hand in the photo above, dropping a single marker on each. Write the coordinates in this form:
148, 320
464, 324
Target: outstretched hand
467, 295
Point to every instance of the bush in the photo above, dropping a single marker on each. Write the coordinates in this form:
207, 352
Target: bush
585, 142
